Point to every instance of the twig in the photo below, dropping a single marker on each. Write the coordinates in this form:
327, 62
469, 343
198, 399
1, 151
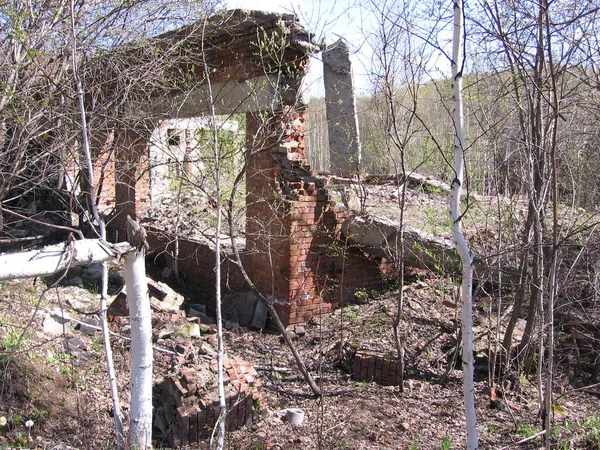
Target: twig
527, 439
273, 369
583, 388
341, 424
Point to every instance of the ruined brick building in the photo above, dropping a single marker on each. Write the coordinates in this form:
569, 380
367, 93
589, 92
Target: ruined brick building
294, 249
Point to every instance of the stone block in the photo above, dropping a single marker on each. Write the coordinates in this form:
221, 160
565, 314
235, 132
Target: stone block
259, 316
239, 307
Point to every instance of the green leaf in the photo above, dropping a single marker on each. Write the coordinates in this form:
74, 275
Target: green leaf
558, 409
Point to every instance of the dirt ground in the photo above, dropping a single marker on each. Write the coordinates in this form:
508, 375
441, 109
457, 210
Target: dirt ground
64, 390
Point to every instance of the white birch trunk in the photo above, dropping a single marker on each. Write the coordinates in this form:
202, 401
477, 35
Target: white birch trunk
457, 234
86, 156
110, 367
140, 427
220, 426
59, 257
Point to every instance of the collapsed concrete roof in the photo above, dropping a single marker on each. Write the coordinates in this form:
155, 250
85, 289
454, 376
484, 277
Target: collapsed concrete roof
254, 60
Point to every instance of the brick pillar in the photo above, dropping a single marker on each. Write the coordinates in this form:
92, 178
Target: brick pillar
294, 251
267, 240
290, 219
132, 184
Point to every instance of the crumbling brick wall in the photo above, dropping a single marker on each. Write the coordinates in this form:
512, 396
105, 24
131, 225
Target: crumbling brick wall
294, 227
375, 367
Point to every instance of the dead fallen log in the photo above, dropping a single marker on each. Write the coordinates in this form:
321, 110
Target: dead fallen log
52, 259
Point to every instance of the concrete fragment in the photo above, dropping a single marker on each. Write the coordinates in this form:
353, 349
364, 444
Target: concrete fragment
76, 347
259, 316
163, 298
377, 235
344, 142
89, 330
163, 334
60, 316
300, 330
74, 344
188, 330
52, 326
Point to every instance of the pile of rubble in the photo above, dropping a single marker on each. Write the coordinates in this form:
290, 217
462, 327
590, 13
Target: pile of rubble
186, 397
190, 405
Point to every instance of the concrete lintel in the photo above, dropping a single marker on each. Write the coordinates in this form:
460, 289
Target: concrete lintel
264, 93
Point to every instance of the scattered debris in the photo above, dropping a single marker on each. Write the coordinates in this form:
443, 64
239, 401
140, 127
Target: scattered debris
188, 330
190, 405
295, 416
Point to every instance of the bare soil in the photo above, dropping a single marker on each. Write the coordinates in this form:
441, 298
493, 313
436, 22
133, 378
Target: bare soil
65, 393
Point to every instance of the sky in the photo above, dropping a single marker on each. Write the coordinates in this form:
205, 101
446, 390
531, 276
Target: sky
354, 21
331, 20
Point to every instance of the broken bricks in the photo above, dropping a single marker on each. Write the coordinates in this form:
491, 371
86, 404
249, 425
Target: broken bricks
189, 400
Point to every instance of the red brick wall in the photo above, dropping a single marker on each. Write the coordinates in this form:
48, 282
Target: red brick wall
196, 261
374, 367
293, 227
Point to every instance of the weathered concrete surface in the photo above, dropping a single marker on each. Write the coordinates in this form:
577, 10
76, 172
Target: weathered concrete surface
344, 141
381, 237
263, 93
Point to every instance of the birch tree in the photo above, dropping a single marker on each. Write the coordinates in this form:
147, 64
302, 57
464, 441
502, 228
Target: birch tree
88, 187
457, 234
217, 239
140, 426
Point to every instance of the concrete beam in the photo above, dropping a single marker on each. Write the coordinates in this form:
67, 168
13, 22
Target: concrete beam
264, 93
